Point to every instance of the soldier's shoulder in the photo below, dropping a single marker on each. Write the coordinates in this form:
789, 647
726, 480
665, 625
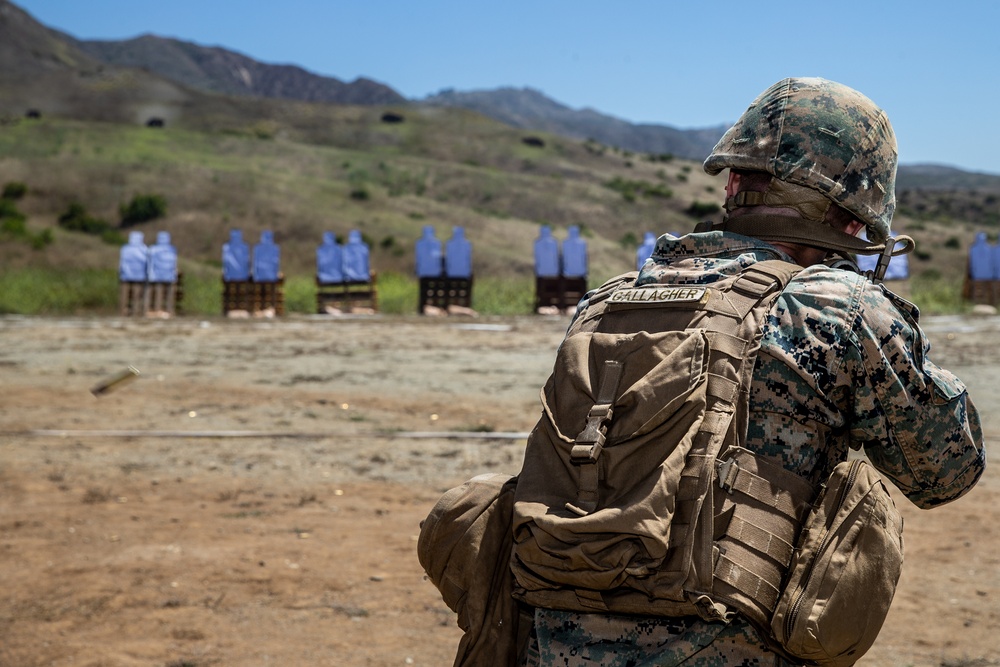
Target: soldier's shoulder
842, 294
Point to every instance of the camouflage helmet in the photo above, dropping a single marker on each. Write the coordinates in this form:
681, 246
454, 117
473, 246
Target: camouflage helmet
821, 135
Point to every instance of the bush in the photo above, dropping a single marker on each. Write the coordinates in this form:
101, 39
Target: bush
9, 210
630, 189
41, 239
628, 240
14, 226
14, 190
699, 209
77, 219
143, 208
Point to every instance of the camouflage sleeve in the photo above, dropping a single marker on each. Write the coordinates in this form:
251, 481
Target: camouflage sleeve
915, 419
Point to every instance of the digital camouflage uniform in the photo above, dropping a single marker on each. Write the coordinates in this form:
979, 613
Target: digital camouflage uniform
843, 364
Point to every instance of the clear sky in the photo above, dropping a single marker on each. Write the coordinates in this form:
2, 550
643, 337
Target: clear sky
687, 63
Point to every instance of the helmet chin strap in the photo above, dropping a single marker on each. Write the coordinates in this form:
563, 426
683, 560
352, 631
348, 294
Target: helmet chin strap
789, 229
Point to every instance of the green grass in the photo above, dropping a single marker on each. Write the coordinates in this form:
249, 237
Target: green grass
512, 296
34, 291
935, 295
397, 294
37, 291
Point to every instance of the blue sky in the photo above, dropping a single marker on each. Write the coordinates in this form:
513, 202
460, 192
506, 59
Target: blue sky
931, 65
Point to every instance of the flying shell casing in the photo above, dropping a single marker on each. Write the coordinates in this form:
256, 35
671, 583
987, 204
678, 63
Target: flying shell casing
116, 381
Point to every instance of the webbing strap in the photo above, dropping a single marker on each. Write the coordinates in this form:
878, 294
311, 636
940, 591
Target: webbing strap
761, 539
756, 284
722, 388
733, 477
746, 582
589, 444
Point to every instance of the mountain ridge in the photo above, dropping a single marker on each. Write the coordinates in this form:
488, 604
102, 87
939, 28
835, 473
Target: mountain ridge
64, 75
529, 108
220, 70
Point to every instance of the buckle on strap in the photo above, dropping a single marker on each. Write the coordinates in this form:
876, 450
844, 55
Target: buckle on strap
581, 454
587, 446
728, 471
590, 442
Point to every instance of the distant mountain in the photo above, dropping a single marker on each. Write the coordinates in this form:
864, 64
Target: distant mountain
219, 70
42, 70
531, 110
940, 177
137, 79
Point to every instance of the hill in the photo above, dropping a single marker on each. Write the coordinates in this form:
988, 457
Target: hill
531, 109
302, 168
219, 70
216, 69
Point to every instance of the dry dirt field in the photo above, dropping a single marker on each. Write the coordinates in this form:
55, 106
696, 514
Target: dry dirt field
253, 497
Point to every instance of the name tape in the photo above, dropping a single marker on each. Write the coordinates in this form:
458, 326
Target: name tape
658, 294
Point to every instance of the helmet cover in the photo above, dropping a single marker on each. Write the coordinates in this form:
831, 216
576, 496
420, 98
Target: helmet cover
821, 135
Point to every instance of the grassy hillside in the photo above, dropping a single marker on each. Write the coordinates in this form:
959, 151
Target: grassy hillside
301, 169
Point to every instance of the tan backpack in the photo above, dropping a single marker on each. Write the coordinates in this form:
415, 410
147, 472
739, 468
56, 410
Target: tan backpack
637, 496
654, 507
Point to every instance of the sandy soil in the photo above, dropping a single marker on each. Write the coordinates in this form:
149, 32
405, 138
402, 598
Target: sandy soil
253, 498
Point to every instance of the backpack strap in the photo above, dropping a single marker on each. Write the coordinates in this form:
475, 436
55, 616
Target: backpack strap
589, 444
737, 338
760, 507
759, 281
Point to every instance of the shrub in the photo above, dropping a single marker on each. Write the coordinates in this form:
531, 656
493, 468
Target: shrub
9, 210
14, 190
699, 209
112, 236
630, 189
143, 208
77, 219
14, 226
953, 242
628, 240
41, 239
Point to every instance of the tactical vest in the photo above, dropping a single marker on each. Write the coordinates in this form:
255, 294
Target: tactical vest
636, 495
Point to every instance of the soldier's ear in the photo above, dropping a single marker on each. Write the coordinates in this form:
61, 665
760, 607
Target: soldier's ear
853, 227
733, 186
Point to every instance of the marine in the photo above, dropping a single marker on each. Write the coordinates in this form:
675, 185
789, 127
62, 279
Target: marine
844, 367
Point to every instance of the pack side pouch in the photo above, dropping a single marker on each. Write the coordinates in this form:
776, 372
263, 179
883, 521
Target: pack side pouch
845, 571
464, 547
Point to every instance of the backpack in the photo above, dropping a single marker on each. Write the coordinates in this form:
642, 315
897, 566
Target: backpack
636, 495
654, 507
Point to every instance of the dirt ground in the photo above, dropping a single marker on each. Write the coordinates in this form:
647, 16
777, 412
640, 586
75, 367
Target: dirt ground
253, 497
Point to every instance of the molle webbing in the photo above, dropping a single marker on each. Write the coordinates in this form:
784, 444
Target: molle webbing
760, 508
